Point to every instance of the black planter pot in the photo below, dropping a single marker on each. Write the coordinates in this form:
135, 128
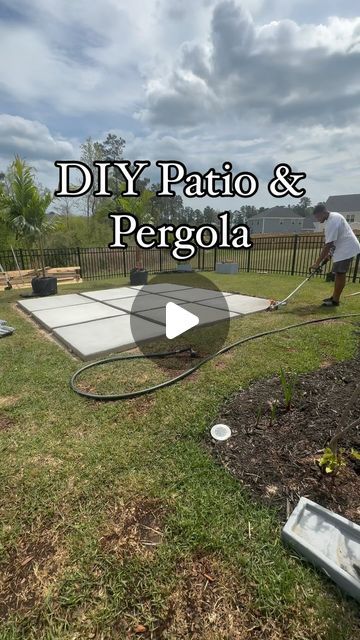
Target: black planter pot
44, 286
138, 277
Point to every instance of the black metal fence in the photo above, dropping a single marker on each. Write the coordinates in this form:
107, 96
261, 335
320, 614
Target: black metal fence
290, 255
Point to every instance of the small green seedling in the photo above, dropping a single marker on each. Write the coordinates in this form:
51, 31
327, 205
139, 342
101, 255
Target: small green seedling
332, 459
288, 384
273, 404
331, 462
355, 454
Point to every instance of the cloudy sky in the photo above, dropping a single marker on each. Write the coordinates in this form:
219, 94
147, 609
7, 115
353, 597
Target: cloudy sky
253, 82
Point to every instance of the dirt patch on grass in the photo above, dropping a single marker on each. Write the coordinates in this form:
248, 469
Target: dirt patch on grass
135, 528
8, 401
141, 406
26, 575
6, 423
277, 461
207, 603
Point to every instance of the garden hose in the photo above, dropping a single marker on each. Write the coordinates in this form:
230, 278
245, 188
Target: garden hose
188, 372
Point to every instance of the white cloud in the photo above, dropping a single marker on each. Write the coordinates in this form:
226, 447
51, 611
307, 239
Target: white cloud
280, 71
199, 82
31, 139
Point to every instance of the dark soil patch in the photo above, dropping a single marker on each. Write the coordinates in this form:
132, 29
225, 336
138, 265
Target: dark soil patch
135, 528
6, 423
22, 574
208, 602
278, 462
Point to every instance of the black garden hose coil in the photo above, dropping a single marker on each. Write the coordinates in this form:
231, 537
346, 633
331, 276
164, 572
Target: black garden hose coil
188, 372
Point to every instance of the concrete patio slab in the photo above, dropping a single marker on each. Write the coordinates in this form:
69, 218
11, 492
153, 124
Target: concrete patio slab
105, 321
239, 303
146, 301
194, 295
52, 318
209, 315
101, 337
206, 315
52, 302
161, 287
110, 294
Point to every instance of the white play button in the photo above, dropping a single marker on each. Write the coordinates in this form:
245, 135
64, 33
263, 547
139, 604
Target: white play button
178, 320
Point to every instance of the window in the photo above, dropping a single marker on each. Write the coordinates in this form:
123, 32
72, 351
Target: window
350, 217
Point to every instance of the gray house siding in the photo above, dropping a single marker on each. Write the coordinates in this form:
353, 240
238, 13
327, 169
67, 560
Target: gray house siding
348, 206
276, 225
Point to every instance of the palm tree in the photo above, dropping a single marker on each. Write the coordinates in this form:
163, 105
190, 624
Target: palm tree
141, 208
26, 207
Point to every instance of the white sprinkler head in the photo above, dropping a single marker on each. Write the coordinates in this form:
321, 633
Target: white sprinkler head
220, 432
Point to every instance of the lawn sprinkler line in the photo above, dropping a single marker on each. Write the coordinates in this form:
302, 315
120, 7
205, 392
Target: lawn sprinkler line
188, 372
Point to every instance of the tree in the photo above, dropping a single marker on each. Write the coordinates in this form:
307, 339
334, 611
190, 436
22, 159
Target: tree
167, 209
112, 147
90, 152
210, 216
141, 208
109, 150
303, 208
26, 205
66, 206
6, 236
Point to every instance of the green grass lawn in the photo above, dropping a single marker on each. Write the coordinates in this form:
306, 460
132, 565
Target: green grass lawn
114, 515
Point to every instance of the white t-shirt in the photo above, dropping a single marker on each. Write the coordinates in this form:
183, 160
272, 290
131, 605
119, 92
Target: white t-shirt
338, 231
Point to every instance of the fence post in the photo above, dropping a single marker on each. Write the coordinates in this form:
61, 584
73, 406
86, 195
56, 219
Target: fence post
21, 259
248, 260
294, 255
356, 268
79, 260
215, 252
160, 260
124, 262
199, 258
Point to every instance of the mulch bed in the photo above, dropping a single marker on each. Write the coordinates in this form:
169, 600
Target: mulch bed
278, 463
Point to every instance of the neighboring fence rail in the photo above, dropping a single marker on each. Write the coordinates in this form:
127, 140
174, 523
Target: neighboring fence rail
281, 254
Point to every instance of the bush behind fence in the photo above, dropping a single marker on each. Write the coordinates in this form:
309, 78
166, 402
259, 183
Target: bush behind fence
270, 254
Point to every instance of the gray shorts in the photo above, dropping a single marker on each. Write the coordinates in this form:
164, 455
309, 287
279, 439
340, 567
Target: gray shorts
342, 266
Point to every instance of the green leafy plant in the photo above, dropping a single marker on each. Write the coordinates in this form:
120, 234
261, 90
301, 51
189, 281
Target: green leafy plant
288, 384
355, 454
332, 460
26, 207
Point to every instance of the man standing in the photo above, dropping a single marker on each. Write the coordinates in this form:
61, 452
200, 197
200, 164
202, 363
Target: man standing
341, 244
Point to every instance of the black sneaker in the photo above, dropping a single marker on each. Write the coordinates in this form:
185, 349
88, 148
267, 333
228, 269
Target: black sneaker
330, 303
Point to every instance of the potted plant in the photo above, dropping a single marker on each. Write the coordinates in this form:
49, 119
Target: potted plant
184, 266
26, 215
140, 207
138, 275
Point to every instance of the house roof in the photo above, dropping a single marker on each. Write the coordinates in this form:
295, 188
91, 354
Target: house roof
344, 204
276, 212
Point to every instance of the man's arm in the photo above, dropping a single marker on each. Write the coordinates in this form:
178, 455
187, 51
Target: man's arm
326, 252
